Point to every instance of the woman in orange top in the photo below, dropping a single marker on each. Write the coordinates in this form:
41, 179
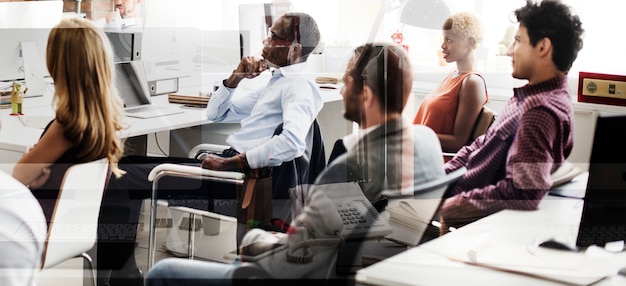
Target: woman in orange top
453, 107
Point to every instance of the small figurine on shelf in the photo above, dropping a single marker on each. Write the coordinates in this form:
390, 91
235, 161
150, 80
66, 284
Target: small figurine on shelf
17, 95
398, 38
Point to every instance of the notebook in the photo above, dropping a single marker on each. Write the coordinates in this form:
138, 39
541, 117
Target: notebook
412, 218
604, 212
133, 88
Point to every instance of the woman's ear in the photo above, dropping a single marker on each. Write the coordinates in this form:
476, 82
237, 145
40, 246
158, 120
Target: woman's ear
472, 42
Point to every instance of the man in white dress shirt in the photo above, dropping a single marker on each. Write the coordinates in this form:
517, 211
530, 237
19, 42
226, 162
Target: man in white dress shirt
126, 13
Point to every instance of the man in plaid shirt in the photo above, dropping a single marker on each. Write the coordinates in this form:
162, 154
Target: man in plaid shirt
509, 167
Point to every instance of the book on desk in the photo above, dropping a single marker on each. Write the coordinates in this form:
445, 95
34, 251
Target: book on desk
574, 268
199, 101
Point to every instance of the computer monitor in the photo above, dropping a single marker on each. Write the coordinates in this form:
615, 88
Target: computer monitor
254, 22
219, 52
126, 45
24, 29
23, 57
603, 218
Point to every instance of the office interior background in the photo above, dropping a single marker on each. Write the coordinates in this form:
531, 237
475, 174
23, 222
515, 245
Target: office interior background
200, 41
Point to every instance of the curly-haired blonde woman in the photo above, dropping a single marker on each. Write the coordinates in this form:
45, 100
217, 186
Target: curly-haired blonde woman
453, 107
88, 111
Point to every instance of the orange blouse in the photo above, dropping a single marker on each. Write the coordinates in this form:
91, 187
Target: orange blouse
438, 109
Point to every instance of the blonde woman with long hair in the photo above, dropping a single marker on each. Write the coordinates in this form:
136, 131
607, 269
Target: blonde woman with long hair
88, 111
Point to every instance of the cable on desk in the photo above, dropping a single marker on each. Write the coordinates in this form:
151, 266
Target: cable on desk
156, 139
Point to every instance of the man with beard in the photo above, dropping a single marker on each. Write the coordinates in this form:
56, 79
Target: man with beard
288, 99
388, 153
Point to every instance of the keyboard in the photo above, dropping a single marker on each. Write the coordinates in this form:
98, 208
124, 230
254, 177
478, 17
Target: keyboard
117, 232
149, 111
360, 219
143, 108
83, 231
599, 235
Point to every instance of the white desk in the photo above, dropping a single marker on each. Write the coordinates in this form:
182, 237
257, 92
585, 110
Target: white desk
428, 264
16, 139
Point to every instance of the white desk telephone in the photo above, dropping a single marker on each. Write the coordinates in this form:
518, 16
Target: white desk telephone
357, 214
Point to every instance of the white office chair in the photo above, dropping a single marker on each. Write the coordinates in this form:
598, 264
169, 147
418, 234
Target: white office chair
252, 193
183, 171
73, 228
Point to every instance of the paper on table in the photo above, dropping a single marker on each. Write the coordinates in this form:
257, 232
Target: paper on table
409, 220
570, 267
36, 121
564, 174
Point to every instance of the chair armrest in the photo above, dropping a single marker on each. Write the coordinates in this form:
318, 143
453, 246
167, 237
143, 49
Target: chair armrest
449, 154
183, 170
204, 148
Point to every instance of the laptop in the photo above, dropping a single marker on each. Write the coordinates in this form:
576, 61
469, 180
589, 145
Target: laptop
604, 212
132, 86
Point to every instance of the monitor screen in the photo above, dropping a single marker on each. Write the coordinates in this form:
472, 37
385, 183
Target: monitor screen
131, 83
26, 21
12, 67
607, 164
254, 22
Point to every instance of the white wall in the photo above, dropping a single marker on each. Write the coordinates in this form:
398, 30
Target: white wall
349, 23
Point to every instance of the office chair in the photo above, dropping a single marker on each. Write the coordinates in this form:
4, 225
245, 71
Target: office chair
302, 170
73, 227
485, 119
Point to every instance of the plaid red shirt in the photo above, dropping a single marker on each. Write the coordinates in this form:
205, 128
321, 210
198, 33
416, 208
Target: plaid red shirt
509, 167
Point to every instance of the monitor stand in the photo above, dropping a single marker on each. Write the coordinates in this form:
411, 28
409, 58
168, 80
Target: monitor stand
33, 78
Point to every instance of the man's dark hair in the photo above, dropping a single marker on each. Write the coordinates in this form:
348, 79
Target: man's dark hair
305, 28
553, 20
386, 80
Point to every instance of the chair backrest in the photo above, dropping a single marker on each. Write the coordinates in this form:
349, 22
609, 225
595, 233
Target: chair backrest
291, 179
306, 167
486, 117
439, 185
74, 223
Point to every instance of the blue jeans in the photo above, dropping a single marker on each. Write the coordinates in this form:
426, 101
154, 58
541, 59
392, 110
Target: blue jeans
178, 271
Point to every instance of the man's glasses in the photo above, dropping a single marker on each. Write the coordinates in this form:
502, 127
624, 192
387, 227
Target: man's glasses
295, 26
273, 37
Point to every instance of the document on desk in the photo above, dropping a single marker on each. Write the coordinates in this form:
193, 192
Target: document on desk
36, 121
407, 222
576, 268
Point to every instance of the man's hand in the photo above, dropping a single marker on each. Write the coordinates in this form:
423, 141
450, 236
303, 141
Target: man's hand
249, 67
215, 162
114, 16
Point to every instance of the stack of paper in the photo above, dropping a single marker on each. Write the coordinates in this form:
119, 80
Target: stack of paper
564, 174
409, 220
576, 268
406, 214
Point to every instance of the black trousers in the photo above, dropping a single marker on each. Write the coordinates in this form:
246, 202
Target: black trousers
123, 198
